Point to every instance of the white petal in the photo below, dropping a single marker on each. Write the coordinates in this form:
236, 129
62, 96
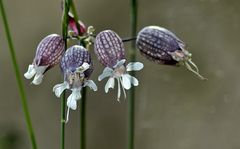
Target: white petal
37, 79
109, 84
71, 103
83, 68
39, 74
134, 66
59, 88
30, 72
91, 84
133, 80
119, 63
126, 81
72, 99
107, 72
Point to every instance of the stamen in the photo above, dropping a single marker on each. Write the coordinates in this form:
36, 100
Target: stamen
119, 90
194, 65
67, 118
124, 92
195, 72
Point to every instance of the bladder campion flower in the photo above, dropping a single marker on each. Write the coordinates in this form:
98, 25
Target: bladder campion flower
48, 54
162, 46
109, 49
77, 66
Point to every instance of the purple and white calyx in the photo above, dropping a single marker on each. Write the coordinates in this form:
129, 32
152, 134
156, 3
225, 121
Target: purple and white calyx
49, 53
77, 66
110, 51
164, 47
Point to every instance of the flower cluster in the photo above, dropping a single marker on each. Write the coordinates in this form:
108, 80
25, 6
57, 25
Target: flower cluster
155, 43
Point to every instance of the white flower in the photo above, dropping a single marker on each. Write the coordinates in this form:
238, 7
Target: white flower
74, 82
119, 72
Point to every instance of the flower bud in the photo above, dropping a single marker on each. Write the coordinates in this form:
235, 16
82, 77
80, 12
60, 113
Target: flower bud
73, 25
162, 46
48, 54
77, 66
109, 49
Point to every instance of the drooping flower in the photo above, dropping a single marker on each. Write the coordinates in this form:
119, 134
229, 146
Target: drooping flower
49, 53
77, 66
164, 47
110, 51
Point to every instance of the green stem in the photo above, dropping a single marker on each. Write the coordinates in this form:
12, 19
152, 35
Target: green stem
131, 107
18, 77
83, 120
63, 101
63, 116
84, 90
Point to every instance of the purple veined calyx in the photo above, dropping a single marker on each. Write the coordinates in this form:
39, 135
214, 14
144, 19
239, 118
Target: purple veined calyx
110, 51
49, 53
76, 66
162, 46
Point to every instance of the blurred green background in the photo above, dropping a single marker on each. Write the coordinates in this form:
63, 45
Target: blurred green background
174, 109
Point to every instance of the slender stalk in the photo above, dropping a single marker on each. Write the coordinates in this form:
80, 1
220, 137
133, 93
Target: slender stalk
83, 120
18, 77
131, 107
129, 39
63, 103
63, 116
84, 90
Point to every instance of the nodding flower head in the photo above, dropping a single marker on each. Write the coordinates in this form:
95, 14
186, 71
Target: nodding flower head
48, 54
77, 66
73, 26
109, 49
164, 47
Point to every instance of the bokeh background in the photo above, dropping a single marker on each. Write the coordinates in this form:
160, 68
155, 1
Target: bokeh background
174, 109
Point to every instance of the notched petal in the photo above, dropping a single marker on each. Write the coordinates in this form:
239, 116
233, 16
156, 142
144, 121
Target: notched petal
30, 72
135, 66
126, 82
107, 72
91, 84
72, 99
37, 79
71, 103
59, 88
119, 63
134, 81
110, 84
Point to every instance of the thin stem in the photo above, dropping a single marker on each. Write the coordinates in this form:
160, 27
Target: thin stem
83, 120
129, 39
63, 102
84, 90
131, 99
63, 116
18, 77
